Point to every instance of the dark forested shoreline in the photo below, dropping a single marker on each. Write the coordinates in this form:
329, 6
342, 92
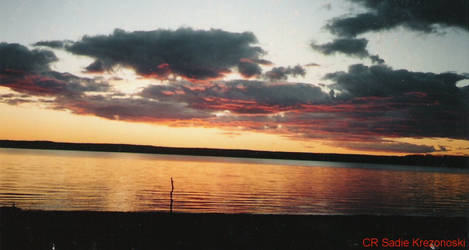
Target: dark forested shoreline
416, 160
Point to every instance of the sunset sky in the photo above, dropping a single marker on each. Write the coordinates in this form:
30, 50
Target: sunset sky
351, 76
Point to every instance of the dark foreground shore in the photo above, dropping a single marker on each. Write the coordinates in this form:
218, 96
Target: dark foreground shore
24, 229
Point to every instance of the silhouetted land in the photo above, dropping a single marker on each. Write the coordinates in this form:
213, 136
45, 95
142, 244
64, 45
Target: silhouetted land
23, 229
423, 160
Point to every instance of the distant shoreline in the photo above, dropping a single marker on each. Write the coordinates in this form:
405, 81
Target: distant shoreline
461, 162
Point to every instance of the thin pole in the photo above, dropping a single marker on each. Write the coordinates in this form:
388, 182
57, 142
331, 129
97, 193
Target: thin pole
171, 196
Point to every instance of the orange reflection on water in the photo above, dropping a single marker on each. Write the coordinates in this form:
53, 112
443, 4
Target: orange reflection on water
69, 180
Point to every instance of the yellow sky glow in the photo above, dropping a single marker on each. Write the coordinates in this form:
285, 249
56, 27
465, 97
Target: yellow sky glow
26, 122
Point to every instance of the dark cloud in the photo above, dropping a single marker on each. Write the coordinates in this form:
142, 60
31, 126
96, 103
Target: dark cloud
56, 44
391, 147
96, 67
261, 61
376, 59
75, 84
282, 73
382, 80
51, 83
27, 71
14, 96
116, 78
248, 69
412, 104
348, 46
18, 99
192, 54
420, 15
16, 57
312, 65
238, 96
130, 109
15, 99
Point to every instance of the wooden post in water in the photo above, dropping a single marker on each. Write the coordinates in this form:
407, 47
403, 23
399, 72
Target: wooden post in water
171, 196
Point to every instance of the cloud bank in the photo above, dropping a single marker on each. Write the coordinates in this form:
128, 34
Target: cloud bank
364, 108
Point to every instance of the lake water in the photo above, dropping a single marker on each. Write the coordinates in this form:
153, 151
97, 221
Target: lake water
73, 180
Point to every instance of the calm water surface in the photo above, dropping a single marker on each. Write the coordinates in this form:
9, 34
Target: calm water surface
72, 180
